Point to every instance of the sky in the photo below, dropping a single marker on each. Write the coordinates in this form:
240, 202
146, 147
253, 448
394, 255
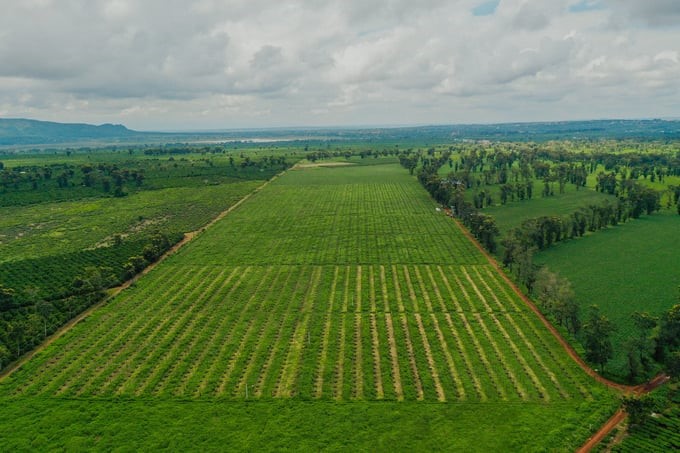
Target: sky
209, 64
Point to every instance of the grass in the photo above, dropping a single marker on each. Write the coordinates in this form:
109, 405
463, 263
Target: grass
133, 425
334, 309
70, 226
623, 269
359, 214
512, 214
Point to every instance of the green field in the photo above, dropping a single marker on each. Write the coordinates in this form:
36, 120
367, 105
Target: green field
623, 269
660, 433
336, 308
56, 234
512, 214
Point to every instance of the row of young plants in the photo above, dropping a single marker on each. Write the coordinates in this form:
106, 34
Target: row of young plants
331, 332
653, 420
378, 223
51, 295
661, 433
42, 287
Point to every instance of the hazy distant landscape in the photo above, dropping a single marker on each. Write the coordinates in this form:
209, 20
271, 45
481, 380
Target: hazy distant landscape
21, 133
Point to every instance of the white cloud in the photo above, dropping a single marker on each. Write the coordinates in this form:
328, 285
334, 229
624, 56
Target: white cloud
171, 64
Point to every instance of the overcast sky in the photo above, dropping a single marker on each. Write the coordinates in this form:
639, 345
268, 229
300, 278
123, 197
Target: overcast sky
181, 65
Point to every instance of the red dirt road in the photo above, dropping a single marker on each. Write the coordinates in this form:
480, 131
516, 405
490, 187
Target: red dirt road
641, 389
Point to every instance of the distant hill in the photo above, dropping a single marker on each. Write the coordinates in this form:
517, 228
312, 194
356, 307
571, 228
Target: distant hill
24, 133
559, 130
29, 132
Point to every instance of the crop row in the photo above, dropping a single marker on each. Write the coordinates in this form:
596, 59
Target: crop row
336, 224
417, 332
658, 434
53, 277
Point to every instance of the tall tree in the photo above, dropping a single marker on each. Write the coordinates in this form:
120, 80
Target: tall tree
597, 332
669, 333
5, 355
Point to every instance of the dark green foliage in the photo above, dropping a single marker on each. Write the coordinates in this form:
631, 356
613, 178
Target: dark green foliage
669, 332
53, 278
28, 184
640, 409
597, 330
556, 298
639, 348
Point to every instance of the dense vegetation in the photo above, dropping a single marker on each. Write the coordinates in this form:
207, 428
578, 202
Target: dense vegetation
600, 186
75, 224
333, 291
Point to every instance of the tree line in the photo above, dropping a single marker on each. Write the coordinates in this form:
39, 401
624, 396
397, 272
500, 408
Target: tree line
27, 316
653, 342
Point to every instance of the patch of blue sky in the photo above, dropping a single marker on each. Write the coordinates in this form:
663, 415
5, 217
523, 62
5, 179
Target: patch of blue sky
586, 5
486, 8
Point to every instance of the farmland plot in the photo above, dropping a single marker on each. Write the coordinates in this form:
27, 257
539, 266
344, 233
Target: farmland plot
330, 285
419, 332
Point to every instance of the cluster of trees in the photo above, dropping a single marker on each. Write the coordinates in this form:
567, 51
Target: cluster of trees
674, 196
660, 337
541, 232
159, 243
321, 154
24, 326
107, 177
451, 193
654, 341
556, 298
514, 169
27, 317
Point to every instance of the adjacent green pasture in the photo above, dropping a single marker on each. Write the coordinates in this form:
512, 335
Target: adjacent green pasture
334, 309
56, 228
512, 214
623, 269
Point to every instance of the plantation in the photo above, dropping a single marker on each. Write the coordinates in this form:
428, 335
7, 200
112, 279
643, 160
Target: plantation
632, 267
661, 433
74, 224
332, 291
601, 216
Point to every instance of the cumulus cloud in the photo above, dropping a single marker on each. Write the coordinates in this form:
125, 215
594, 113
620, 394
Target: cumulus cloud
171, 64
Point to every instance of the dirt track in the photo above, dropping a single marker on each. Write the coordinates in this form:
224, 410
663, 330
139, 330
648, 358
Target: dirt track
188, 237
641, 389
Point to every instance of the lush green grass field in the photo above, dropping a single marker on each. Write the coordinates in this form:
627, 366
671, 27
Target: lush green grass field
344, 308
512, 214
56, 228
631, 267
39, 424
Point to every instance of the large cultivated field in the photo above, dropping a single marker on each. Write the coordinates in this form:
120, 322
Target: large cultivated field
336, 308
628, 268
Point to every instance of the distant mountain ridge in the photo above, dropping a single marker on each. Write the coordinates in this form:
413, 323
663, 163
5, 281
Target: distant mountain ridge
26, 133
19, 131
